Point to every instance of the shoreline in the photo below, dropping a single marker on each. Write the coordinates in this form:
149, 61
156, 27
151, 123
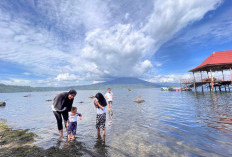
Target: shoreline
18, 143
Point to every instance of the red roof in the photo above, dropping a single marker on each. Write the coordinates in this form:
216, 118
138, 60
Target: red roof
216, 58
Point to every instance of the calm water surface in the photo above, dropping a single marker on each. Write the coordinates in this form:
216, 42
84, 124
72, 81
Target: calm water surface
166, 124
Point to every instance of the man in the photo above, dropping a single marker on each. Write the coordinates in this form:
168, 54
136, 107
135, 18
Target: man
109, 97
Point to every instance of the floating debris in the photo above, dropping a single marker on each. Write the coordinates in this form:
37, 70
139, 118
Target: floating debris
139, 99
91, 96
27, 95
2, 103
81, 102
49, 100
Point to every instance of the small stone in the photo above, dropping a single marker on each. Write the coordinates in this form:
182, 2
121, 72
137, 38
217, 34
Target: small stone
2, 103
139, 99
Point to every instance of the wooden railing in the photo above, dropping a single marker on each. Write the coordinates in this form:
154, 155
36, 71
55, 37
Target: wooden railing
216, 78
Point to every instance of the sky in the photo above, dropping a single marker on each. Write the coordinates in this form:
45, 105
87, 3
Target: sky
77, 42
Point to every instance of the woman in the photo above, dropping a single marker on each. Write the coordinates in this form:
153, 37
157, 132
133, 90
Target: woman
61, 106
100, 104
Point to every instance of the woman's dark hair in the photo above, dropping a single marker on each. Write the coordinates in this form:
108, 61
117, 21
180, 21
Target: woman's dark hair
101, 99
72, 91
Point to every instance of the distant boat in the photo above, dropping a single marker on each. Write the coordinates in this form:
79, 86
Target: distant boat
27, 95
171, 89
164, 88
177, 89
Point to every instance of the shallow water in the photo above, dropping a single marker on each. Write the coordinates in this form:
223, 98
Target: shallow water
166, 124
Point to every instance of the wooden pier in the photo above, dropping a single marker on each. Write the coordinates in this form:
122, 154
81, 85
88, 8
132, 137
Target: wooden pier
214, 73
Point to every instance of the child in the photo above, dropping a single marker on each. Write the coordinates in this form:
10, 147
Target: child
109, 97
100, 104
72, 122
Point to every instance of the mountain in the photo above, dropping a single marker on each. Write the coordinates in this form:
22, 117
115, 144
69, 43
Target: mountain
126, 82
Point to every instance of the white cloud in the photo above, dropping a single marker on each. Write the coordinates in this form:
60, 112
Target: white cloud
67, 77
26, 73
170, 16
82, 38
172, 78
95, 82
14, 81
118, 51
127, 16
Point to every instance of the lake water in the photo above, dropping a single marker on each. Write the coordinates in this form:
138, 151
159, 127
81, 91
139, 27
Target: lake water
166, 124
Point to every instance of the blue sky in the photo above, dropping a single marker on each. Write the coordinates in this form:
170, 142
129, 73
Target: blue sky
61, 43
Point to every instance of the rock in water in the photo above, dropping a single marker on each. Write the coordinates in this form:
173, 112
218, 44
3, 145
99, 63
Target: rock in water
139, 99
2, 103
81, 102
49, 100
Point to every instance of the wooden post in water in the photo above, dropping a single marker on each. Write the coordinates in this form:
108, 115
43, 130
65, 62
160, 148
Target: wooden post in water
223, 76
202, 84
211, 79
230, 79
194, 84
209, 83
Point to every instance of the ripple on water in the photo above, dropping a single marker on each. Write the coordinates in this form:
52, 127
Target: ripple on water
166, 124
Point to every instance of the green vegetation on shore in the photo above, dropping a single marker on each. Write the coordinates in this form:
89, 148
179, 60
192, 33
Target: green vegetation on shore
19, 143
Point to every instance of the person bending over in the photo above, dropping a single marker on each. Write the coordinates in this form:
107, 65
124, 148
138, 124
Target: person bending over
62, 104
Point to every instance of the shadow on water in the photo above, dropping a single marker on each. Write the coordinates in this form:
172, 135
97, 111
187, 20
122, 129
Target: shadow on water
100, 146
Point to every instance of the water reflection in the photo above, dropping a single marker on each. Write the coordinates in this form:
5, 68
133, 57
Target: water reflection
100, 146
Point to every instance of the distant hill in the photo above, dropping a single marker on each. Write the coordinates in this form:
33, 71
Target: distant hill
126, 82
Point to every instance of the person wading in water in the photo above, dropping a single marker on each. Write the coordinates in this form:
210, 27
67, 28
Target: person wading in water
61, 106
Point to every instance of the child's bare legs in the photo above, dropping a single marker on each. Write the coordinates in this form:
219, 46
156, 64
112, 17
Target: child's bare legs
69, 137
73, 137
98, 132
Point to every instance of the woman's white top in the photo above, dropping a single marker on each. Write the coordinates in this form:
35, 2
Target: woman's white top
101, 111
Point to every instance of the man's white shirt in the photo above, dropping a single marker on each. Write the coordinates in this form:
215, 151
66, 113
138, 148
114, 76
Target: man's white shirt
109, 96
